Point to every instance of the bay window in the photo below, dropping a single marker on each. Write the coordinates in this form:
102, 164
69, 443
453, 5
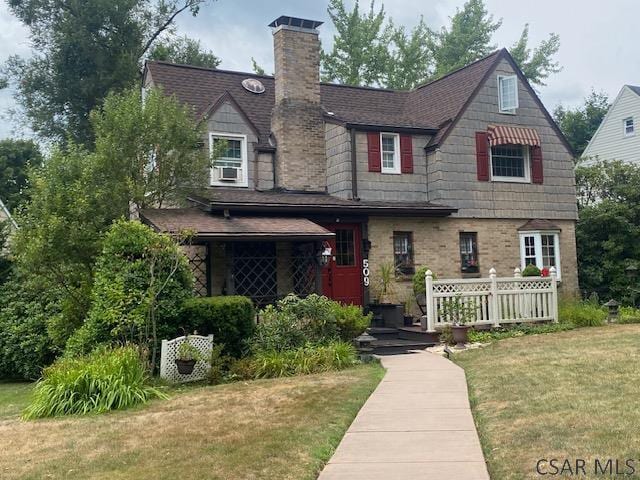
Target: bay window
541, 248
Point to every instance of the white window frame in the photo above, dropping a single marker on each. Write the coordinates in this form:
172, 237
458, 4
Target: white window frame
508, 109
243, 179
396, 154
537, 236
527, 168
624, 127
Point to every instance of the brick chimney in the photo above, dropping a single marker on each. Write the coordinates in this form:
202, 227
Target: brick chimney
297, 122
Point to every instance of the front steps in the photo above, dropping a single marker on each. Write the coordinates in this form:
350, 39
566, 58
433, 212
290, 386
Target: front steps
400, 340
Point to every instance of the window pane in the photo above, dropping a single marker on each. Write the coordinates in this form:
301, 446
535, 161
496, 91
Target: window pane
388, 151
231, 155
403, 251
469, 252
508, 93
548, 251
508, 161
345, 248
628, 126
529, 250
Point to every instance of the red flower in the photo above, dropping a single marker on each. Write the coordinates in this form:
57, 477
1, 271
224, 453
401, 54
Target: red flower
544, 272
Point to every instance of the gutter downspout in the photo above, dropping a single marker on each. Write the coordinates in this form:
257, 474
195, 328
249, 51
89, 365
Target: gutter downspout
354, 167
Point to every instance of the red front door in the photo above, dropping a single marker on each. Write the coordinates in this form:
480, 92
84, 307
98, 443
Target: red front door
342, 276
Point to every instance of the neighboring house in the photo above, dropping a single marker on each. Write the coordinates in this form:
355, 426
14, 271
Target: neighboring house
463, 174
5, 215
617, 137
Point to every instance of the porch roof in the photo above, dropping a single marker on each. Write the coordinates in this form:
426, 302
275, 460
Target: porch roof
217, 227
218, 199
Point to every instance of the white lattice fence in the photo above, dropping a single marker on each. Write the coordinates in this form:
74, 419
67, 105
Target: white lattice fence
168, 368
493, 300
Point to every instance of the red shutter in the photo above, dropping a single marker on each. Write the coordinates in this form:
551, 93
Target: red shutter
482, 155
537, 174
375, 161
406, 154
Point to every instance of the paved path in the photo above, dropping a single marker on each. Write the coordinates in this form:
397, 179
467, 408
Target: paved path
416, 425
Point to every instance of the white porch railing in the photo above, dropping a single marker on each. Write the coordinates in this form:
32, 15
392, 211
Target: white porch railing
493, 300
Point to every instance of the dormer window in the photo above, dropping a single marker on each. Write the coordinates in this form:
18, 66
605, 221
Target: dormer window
230, 168
508, 93
629, 127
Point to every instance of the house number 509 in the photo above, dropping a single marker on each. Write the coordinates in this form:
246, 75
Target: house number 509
365, 272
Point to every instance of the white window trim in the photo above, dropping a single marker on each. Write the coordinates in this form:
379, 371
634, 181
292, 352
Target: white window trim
396, 154
624, 127
537, 235
527, 168
510, 111
244, 170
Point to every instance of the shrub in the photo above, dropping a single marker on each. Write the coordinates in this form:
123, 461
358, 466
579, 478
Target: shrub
531, 271
446, 335
141, 281
484, 336
242, 369
629, 315
219, 365
304, 360
293, 322
581, 314
107, 379
229, 319
419, 283
25, 347
350, 320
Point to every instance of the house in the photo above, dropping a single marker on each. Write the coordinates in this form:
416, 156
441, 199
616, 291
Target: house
5, 216
322, 184
616, 138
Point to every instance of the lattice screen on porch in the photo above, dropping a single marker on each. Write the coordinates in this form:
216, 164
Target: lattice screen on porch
198, 256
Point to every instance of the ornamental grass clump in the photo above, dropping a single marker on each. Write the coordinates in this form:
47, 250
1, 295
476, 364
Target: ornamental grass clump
107, 379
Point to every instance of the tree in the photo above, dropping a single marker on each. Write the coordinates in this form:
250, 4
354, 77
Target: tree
16, 157
580, 124
467, 39
410, 61
608, 229
360, 48
82, 51
149, 153
185, 51
257, 69
538, 65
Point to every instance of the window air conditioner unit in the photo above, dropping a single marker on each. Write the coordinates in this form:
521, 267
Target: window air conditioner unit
228, 174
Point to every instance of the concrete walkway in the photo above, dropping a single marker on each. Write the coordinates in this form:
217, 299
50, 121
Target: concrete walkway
416, 425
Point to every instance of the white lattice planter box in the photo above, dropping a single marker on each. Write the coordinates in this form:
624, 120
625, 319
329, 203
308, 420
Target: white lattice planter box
169, 352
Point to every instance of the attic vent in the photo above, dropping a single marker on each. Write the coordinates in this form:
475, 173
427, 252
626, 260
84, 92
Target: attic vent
253, 85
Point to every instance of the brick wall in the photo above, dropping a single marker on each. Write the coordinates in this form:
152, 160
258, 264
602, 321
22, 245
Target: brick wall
436, 245
297, 121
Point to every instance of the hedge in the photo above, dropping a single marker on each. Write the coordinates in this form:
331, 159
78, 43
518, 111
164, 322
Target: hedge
230, 319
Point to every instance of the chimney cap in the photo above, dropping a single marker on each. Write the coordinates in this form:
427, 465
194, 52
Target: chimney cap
295, 22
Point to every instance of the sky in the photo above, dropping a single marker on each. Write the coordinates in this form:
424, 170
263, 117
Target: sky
598, 40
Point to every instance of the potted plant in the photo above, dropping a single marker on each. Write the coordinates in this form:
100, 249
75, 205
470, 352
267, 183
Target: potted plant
187, 357
459, 313
384, 306
420, 287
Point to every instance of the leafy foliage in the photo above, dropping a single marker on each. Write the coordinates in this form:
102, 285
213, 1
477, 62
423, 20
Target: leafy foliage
581, 313
185, 51
419, 281
25, 348
579, 124
148, 152
483, 336
538, 65
230, 319
531, 270
83, 51
628, 315
103, 381
467, 39
350, 320
16, 158
141, 280
304, 360
608, 229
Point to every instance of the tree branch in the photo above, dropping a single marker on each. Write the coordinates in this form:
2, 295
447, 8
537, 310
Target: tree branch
166, 24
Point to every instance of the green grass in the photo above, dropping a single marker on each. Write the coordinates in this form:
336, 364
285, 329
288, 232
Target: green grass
14, 397
284, 428
569, 395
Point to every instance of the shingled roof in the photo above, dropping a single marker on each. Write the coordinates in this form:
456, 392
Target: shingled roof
432, 107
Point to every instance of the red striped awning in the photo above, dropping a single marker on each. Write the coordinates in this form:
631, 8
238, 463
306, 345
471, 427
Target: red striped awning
503, 134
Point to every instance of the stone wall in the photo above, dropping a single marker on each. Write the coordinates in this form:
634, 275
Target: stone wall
436, 245
338, 146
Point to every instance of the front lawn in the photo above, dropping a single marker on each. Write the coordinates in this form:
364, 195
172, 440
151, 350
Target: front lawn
570, 395
14, 397
283, 428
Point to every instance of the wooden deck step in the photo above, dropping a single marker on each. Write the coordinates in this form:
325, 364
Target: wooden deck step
398, 345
